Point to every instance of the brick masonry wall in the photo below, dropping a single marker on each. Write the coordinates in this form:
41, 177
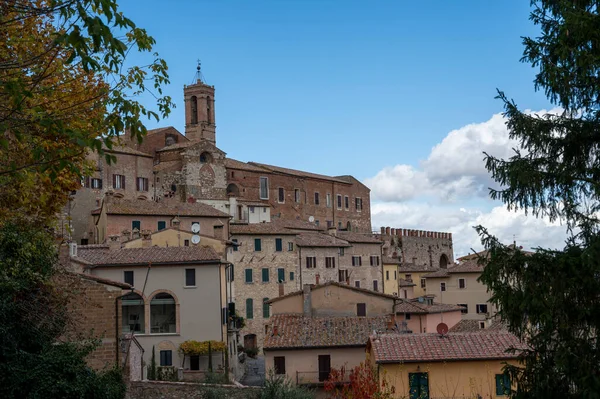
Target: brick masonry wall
248, 183
246, 258
186, 390
93, 315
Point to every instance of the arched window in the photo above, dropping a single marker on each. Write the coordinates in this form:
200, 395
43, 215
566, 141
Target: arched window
133, 313
194, 110
204, 157
233, 190
443, 261
348, 226
208, 109
249, 308
170, 140
163, 314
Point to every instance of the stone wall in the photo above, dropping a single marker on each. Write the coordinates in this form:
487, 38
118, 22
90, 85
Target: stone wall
186, 390
419, 247
246, 258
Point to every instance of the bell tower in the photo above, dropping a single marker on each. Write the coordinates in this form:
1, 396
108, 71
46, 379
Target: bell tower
200, 110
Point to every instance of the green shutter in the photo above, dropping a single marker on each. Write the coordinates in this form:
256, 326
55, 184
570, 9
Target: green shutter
136, 224
265, 275
162, 225
278, 245
249, 308
502, 384
266, 310
280, 275
248, 275
257, 244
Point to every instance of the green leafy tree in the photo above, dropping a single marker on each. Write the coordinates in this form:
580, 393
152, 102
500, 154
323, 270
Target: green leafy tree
66, 89
551, 299
35, 360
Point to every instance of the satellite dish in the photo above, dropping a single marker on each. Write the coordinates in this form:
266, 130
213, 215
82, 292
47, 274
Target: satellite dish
442, 329
195, 239
311, 219
421, 300
196, 228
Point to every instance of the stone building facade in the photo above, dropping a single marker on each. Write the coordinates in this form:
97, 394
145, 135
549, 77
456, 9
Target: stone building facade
431, 248
273, 259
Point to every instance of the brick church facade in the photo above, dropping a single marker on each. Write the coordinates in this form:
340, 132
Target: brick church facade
174, 168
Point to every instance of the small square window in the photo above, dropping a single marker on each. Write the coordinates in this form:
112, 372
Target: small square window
166, 358
481, 308
190, 277
186, 243
357, 284
128, 277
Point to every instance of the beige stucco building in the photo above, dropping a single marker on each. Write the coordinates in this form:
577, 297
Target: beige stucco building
423, 366
179, 294
458, 285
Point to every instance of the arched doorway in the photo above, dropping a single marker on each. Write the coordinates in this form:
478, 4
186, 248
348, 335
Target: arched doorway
443, 261
233, 190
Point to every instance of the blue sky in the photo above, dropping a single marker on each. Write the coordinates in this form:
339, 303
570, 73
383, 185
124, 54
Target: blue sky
348, 87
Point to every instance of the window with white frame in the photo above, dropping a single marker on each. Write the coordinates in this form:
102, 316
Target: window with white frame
356, 261
119, 181
142, 184
328, 200
481, 308
442, 287
358, 204
339, 201
346, 202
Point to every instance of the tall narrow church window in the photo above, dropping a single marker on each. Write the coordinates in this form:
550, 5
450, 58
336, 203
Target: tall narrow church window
208, 113
194, 110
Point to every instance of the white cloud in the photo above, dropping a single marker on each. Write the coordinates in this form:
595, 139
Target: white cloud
455, 167
528, 231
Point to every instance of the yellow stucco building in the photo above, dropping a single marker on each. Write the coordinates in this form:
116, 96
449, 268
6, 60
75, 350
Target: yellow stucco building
464, 365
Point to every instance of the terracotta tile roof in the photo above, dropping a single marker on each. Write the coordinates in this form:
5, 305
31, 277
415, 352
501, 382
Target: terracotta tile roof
470, 266
405, 283
167, 166
176, 146
162, 129
142, 256
414, 306
105, 281
411, 267
121, 149
300, 332
406, 348
259, 229
117, 206
472, 326
296, 224
335, 283
297, 173
319, 240
358, 238
388, 260
235, 164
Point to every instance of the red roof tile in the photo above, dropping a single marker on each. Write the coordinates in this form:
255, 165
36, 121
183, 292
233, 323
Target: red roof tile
335, 283
141, 207
470, 266
235, 164
387, 260
297, 173
121, 149
299, 332
405, 348
105, 281
472, 326
405, 283
319, 240
101, 256
260, 229
359, 238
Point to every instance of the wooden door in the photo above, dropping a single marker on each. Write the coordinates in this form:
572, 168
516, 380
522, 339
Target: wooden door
324, 367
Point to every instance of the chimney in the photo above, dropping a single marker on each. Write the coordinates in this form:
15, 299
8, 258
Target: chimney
317, 277
391, 323
387, 231
414, 260
383, 231
332, 231
114, 242
146, 238
275, 330
307, 306
280, 289
125, 235
392, 231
